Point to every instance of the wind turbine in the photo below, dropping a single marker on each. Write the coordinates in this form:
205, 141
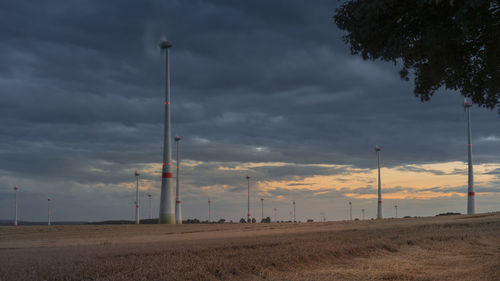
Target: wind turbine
350, 210
471, 205
150, 209
137, 220
262, 203
178, 209
248, 205
167, 204
209, 211
48, 211
379, 204
15, 204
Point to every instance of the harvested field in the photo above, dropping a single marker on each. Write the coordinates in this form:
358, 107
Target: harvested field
434, 248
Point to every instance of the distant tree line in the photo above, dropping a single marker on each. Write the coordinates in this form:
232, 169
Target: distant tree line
448, 214
253, 220
188, 221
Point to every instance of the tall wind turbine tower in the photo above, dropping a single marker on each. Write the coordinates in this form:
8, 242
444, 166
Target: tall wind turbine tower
350, 210
167, 213
262, 203
471, 205
248, 205
396, 209
150, 210
275, 217
178, 210
363, 214
48, 211
379, 204
294, 211
137, 220
209, 210
15, 205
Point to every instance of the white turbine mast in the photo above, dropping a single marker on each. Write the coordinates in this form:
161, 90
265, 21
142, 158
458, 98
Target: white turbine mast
15, 205
137, 220
178, 209
167, 203
471, 205
379, 202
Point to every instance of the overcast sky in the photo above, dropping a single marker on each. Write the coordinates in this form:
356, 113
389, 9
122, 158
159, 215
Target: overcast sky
260, 87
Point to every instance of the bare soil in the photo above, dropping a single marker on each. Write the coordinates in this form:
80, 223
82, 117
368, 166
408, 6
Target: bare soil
434, 248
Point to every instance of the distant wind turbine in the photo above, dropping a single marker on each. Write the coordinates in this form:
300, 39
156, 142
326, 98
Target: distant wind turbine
178, 206
350, 210
209, 210
248, 204
15, 204
137, 220
48, 211
471, 205
379, 204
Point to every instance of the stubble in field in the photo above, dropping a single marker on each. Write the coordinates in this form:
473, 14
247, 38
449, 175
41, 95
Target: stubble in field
448, 248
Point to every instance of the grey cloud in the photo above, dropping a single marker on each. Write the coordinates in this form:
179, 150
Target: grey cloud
82, 91
407, 168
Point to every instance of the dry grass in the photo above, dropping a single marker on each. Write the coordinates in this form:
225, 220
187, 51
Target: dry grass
444, 248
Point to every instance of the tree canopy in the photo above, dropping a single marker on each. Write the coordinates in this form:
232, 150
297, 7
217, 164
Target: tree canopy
455, 44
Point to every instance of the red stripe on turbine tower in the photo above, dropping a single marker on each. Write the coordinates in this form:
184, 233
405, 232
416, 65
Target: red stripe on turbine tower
167, 175
472, 193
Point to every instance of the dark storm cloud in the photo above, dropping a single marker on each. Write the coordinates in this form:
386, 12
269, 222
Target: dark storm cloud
494, 172
292, 98
372, 190
296, 171
460, 189
223, 173
259, 81
305, 193
407, 168
398, 189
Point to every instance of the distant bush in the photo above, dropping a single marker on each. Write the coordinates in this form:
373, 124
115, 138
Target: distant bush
190, 221
113, 222
448, 214
266, 220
